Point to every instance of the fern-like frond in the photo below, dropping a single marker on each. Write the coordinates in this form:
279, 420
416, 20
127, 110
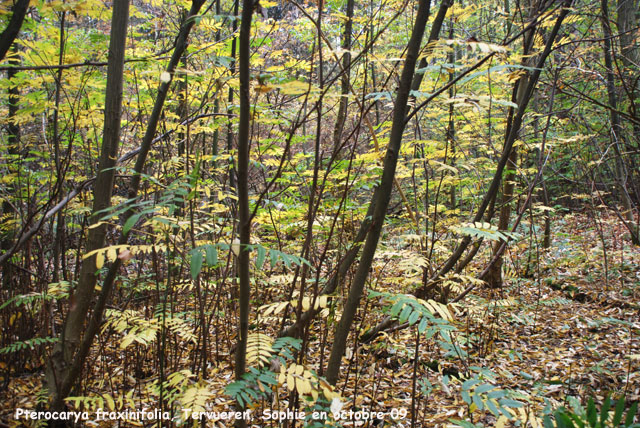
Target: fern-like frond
259, 349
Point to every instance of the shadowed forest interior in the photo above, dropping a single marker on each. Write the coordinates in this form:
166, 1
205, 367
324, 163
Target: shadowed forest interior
323, 213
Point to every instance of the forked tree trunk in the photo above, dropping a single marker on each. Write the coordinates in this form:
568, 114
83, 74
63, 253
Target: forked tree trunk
511, 134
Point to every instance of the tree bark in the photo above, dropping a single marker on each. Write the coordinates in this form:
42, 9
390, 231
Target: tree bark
13, 28
13, 140
346, 67
617, 132
244, 219
58, 367
65, 367
510, 138
381, 196
494, 277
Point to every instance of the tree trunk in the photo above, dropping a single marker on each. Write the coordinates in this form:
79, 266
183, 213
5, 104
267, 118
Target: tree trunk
511, 134
244, 220
628, 17
13, 28
103, 188
381, 196
65, 367
346, 66
617, 132
13, 140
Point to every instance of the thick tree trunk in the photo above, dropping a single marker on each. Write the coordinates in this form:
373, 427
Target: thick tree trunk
381, 196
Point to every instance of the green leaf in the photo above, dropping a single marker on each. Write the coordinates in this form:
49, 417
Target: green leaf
463, 424
211, 254
413, 318
577, 420
617, 415
604, 412
406, 311
484, 388
496, 394
396, 308
196, 262
563, 421
546, 421
492, 407
526, 375
262, 253
508, 402
131, 221
467, 384
423, 325
477, 399
630, 414
592, 415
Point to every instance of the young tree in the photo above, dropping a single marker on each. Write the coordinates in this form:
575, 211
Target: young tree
382, 194
59, 374
244, 219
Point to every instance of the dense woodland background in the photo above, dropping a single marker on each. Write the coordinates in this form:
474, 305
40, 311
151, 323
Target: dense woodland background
431, 207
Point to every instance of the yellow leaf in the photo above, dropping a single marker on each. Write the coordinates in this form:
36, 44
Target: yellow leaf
110, 403
290, 382
303, 386
502, 420
99, 260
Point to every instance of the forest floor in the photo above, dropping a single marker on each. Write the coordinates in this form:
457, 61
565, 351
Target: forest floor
559, 332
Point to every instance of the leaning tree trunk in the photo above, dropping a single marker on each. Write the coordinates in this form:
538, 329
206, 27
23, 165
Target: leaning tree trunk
628, 18
381, 196
511, 135
10, 33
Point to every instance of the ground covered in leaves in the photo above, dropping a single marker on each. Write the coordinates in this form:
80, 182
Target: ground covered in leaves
562, 330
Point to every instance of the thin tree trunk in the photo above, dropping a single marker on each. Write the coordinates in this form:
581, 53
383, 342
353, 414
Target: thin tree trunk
13, 140
244, 219
346, 66
434, 34
628, 17
65, 367
58, 368
617, 132
510, 138
232, 71
381, 196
